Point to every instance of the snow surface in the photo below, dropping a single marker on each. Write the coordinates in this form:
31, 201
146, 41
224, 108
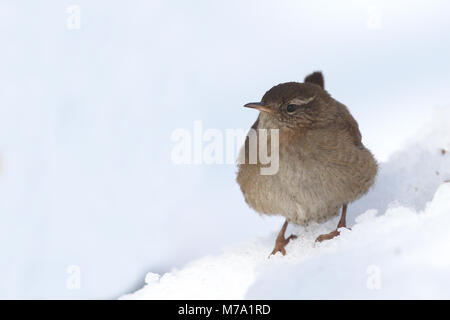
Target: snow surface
404, 252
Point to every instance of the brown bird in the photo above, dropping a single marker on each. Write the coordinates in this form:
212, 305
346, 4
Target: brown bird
323, 164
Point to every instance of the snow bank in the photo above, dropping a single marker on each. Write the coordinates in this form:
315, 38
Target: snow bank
402, 253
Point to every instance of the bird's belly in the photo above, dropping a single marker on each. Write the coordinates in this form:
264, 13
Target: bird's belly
309, 187
295, 195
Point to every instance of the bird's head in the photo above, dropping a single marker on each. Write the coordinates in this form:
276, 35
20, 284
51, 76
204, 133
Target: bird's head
295, 104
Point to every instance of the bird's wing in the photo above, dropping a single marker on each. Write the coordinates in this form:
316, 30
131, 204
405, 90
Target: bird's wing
350, 127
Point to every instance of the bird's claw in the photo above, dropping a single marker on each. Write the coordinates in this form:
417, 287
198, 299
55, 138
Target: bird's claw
281, 243
328, 236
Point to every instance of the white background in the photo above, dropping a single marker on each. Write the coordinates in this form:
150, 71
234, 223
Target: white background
86, 118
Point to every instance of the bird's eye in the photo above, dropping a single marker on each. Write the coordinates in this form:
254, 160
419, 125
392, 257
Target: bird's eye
291, 108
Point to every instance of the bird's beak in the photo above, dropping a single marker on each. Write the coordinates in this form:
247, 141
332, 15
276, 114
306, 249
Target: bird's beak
260, 106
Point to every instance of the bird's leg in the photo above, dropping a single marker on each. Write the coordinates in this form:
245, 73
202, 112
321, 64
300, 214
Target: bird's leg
281, 241
335, 233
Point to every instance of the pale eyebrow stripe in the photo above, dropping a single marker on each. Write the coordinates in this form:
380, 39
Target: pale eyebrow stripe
302, 101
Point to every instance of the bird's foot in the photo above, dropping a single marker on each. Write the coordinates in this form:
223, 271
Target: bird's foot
328, 236
281, 243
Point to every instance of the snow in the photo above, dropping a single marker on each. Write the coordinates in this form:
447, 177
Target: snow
398, 245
